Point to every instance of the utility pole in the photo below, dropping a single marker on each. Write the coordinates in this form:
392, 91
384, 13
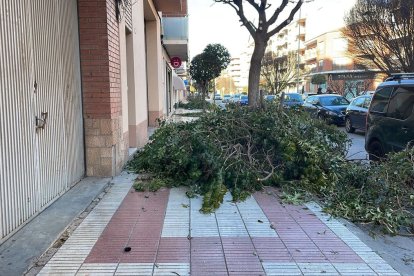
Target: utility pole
298, 55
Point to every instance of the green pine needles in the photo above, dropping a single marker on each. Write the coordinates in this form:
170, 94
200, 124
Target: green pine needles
241, 150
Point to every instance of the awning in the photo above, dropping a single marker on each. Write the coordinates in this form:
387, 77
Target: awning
178, 83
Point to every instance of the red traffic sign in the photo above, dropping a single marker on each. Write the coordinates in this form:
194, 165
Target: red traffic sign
175, 62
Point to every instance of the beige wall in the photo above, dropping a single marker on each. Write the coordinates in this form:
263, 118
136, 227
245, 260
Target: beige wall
156, 99
124, 76
135, 84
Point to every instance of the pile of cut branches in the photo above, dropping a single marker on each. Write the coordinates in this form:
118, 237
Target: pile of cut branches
241, 150
194, 102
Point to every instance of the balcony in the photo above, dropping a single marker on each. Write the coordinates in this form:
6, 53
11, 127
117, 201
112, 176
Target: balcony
310, 54
175, 36
171, 8
301, 36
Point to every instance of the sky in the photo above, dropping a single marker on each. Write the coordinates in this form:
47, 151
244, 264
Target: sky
211, 22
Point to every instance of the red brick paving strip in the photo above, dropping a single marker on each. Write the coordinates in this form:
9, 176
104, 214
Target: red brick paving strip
241, 256
207, 257
306, 238
139, 220
271, 250
174, 250
138, 224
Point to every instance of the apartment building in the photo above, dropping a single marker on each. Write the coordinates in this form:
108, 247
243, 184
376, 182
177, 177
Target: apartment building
290, 44
81, 81
233, 71
314, 38
245, 58
327, 55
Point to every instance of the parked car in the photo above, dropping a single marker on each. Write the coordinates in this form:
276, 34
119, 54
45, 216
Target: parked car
328, 107
307, 94
217, 97
235, 98
390, 119
293, 99
356, 114
270, 98
367, 93
244, 100
226, 98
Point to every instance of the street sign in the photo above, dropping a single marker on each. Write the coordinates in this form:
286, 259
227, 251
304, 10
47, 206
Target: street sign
352, 76
175, 62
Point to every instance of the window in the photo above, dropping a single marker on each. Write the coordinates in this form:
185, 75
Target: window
312, 67
358, 102
320, 65
380, 100
401, 103
340, 63
293, 98
340, 44
334, 101
367, 101
312, 100
321, 48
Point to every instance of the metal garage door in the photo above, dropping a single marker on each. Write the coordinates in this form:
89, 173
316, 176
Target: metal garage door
41, 131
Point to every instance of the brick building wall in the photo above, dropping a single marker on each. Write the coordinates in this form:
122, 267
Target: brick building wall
106, 148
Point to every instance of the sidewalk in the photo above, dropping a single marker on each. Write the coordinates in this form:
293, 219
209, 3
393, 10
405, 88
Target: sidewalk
163, 233
25, 247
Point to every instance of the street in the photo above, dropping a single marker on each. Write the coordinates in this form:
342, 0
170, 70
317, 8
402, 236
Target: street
357, 150
396, 250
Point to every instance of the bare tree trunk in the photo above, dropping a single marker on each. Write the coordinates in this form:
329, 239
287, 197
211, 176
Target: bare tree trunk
254, 72
203, 95
282, 101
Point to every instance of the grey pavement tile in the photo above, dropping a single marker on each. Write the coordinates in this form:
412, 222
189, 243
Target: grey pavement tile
136, 269
202, 225
177, 216
255, 220
229, 220
372, 259
97, 269
279, 269
317, 269
168, 269
354, 269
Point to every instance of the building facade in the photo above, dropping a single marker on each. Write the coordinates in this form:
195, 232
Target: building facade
81, 81
234, 72
327, 55
289, 44
315, 40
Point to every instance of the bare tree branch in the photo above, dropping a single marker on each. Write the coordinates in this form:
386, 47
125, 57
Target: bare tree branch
261, 36
286, 21
278, 72
238, 7
277, 12
254, 4
381, 34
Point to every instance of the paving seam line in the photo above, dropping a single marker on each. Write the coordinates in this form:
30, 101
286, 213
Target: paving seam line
40, 261
113, 197
248, 233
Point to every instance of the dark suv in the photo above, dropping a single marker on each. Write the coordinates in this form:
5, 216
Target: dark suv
390, 120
